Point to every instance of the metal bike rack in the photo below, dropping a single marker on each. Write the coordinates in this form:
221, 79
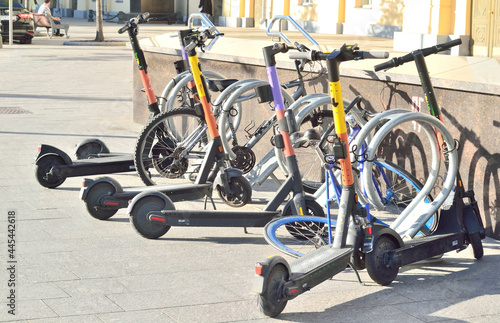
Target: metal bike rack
280, 34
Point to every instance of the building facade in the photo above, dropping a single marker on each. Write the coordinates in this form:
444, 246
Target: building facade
412, 23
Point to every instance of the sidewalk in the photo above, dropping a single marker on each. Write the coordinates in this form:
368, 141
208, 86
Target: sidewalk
73, 268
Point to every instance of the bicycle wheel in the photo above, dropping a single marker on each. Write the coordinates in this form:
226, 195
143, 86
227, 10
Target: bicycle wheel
165, 149
297, 235
397, 188
313, 174
254, 128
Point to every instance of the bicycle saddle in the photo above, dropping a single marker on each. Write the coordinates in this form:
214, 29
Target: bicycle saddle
305, 139
219, 85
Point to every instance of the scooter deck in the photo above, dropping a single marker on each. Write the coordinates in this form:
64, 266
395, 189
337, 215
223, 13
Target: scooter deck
325, 255
315, 267
424, 248
213, 218
176, 192
97, 166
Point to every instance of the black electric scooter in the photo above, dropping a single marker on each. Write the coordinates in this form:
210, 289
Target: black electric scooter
53, 165
278, 281
104, 196
153, 213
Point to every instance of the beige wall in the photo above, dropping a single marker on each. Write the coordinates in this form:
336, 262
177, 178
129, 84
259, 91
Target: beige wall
437, 16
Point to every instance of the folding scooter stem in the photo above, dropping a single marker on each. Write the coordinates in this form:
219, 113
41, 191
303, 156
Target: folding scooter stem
143, 71
201, 87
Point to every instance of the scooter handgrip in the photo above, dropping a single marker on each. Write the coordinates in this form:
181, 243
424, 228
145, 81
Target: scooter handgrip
385, 65
375, 54
449, 44
301, 55
145, 15
124, 28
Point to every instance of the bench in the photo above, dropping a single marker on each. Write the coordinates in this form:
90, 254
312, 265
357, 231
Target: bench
45, 20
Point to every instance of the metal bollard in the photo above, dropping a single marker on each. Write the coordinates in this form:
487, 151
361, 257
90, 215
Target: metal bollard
91, 15
121, 14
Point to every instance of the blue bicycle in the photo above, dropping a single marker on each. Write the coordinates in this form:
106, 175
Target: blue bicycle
394, 186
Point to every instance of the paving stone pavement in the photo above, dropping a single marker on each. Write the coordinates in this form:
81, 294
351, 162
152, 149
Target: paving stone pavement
71, 267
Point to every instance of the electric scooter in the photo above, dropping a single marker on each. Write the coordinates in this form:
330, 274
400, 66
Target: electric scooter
153, 213
104, 196
278, 281
53, 165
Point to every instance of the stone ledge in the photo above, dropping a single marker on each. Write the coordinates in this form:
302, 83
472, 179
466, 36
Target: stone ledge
447, 72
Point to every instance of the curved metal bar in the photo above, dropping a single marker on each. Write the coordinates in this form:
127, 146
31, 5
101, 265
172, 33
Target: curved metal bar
205, 22
279, 18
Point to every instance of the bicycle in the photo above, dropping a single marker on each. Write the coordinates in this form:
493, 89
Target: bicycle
240, 151
394, 186
185, 127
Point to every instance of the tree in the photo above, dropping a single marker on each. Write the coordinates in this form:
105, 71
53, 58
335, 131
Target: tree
100, 30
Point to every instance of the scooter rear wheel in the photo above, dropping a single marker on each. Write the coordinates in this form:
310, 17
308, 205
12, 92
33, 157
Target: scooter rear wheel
92, 201
375, 262
90, 148
139, 216
242, 189
44, 166
272, 301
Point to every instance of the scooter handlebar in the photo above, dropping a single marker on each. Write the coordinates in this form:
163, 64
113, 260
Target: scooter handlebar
397, 61
140, 19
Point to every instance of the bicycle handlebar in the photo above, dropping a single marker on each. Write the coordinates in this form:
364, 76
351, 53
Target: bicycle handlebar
140, 19
397, 61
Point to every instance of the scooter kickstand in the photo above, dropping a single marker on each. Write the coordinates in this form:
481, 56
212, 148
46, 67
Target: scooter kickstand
356, 272
211, 200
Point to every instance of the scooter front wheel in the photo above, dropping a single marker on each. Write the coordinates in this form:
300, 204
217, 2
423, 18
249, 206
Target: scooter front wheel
376, 264
140, 219
272, 301
44, 166
94, 196
242, 192
477, 245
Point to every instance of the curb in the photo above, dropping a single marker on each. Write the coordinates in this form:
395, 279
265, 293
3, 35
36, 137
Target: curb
93, 43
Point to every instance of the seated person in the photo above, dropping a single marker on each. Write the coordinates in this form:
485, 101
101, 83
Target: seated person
45, 9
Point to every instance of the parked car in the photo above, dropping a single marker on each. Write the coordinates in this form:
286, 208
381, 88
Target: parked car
22, 22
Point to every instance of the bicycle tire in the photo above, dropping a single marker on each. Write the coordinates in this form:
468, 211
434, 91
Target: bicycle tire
156, 155
313, 232
312, 174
